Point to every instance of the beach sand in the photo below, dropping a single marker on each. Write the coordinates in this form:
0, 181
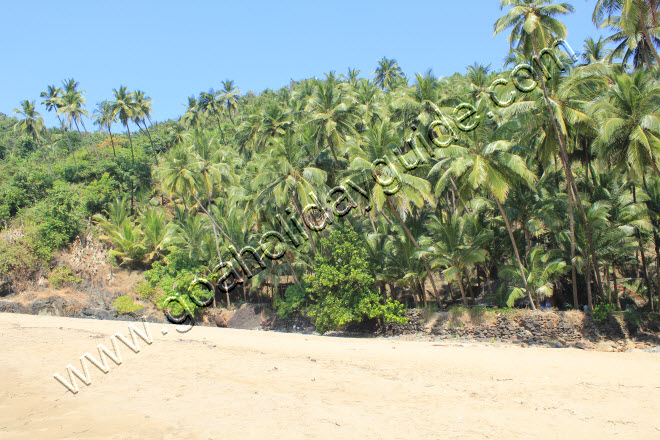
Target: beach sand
213, 383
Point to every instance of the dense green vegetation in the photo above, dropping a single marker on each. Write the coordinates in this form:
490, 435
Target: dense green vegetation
468, 188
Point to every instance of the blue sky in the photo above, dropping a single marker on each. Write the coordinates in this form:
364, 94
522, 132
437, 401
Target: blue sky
173, 49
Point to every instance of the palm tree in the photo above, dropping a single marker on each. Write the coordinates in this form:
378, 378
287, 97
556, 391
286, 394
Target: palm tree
32, 125
595, 51
104, 117
53, 101
388, 73
533, 27
540, 274
333, 118
142, 110
634, 17
229, 93
629, 123
490, 166
74, 104
450, 248
124, 107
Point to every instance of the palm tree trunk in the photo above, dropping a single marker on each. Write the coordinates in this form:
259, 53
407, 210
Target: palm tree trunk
160, 138
68, 141
112, 141
82, 139
656, 242
571, 221
587, 277
648, 39
222, 133
469, 283
45, 158
567, 170
153, 148
460, 285
616, 288
309, 234
130, 139
410, 236
90, 138
515, 251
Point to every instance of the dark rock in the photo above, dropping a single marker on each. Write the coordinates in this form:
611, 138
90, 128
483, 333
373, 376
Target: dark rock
12, 307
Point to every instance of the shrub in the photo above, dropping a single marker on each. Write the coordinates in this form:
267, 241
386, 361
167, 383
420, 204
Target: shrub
125, 305
62, 276
145, 290
341, 287
602, 312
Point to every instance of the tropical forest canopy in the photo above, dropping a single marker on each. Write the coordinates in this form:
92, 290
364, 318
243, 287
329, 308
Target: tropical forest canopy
548, 188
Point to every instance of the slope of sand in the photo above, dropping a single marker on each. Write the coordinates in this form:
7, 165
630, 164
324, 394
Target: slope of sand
215, 383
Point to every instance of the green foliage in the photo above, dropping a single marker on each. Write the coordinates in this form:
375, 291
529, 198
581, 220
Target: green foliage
58, 217
294, 300
62, 276
341, 287
22, 256
125, 305
602, 312
145, 290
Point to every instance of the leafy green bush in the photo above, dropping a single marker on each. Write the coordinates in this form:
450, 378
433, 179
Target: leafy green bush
125, 305
602, 312
342, 289
176, 294
62, 276
58, 217
145, 290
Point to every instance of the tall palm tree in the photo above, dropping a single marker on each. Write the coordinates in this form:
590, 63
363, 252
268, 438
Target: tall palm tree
451, 248
74, 104
534, 27
124, 107
142, 112
32, 125
490, 166
104, 117
629, 122
52, 102
595, 51
633, 16
333, 118
388, 73
229, 94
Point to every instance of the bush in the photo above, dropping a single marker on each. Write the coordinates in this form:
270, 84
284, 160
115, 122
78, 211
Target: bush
180, 289
125, 305
62, 276
341, 287
602, 312
145, 290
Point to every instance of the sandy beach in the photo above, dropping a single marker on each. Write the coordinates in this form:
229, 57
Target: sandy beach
212, 383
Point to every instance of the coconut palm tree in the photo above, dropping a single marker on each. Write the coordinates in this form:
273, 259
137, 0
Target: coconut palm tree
142, 112
629, 123
124, 107
74, 107
490, 165
104, 117
449, 247
32, 125
631, 17
229, 95
388, 74
52, 102
595, 51
534, 27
